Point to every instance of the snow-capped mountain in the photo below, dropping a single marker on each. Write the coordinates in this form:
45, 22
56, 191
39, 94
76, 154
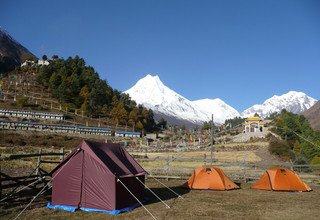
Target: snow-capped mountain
152, 93
220, 110
292, 101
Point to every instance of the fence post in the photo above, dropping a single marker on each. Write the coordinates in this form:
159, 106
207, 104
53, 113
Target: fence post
0, 182
38, 162
146, 153
211, 154
244, 166
204, 159
62, 152
168, 159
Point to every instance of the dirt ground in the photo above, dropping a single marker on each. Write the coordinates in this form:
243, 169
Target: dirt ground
244, 203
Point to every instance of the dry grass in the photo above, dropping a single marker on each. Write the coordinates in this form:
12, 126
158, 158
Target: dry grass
237, 204
230, 156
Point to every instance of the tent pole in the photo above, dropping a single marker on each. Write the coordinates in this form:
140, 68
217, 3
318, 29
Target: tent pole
167, 206
166, 187
118, 180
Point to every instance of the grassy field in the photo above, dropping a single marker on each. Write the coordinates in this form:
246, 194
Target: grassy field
230, 156
237, 204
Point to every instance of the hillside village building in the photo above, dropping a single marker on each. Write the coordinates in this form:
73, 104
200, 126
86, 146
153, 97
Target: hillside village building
254, 124
127, 134
28, 114
37, 63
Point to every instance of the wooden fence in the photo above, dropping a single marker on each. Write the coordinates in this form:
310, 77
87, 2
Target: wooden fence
37, 176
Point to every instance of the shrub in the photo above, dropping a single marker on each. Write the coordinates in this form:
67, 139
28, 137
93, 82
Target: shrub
316, 160
22, 102
21, 143
280, 148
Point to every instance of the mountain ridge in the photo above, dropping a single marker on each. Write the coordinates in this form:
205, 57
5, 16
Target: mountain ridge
313, 116
292, 101
12, 53
150, 92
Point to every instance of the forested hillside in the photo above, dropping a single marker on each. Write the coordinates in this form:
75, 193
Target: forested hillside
301, 143
79, 86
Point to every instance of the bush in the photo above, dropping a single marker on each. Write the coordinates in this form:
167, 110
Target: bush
300, 160
22, 102
269, 136
316, 160
280, 148
21, 143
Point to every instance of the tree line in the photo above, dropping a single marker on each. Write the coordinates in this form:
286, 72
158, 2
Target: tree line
300, 142
72, 82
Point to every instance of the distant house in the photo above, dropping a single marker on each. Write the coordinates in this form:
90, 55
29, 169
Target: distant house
127, 134
57, 128
27, 63
254, 124
28, 114
37, 63
43, 62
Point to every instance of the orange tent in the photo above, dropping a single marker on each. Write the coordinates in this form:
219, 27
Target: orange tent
282, 179
209, 177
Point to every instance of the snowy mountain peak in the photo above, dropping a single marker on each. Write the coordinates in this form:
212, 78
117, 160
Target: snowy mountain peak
152, 93
292, 101
220, 110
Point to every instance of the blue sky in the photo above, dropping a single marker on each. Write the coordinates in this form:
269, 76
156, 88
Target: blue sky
240, 51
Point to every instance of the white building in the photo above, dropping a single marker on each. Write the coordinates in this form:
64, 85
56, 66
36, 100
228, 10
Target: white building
254, 124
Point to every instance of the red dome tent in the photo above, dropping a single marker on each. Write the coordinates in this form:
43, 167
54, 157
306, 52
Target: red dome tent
91, 179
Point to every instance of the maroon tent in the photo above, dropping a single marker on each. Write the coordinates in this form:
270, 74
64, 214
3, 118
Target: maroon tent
88, 178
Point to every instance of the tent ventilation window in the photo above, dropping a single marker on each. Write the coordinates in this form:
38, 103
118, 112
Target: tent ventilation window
208, 170
282, 170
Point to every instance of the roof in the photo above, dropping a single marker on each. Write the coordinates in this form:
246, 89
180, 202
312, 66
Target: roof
254, 119
248, 122
55, 125
31, 113
111, 156
128, 132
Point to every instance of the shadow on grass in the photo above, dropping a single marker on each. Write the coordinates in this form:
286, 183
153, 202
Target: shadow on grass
165, 194
16, 202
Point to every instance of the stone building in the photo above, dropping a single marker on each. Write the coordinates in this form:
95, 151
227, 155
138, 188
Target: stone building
254, 124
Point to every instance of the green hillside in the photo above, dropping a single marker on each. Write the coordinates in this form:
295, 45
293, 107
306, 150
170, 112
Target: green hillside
78, 88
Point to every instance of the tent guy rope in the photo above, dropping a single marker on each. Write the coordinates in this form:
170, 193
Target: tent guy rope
166, 187
42, 190
118, 180
167, 206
